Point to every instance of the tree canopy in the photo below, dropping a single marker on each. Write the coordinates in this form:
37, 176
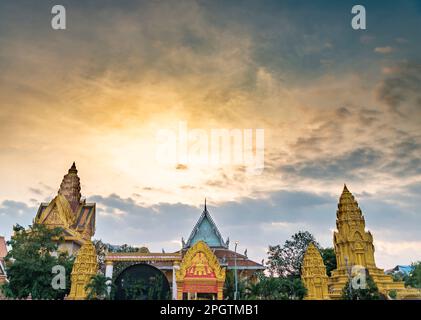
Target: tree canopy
30, 263
286, 261
329, 259
276, 288
370, 292
414, 278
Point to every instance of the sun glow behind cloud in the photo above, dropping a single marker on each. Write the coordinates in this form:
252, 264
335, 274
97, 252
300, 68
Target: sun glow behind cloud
333, 109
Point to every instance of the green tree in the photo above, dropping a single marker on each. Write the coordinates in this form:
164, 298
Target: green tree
155, 291
286, 261
414, 278
145, 289
229, 286
370, 292
126, 248
277, 288
329, 259
30, 263
97, 288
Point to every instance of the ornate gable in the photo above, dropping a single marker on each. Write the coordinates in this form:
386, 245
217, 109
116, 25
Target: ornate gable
57, 214
200, 272
207, 231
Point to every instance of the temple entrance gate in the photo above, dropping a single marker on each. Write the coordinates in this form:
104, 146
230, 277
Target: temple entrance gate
200, 275
142, 282
119, 262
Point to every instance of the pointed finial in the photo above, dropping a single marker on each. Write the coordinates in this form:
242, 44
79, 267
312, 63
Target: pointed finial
73, 168
206, 209
345, 188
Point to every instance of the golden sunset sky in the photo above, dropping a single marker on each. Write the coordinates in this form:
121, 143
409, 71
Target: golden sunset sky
336, 105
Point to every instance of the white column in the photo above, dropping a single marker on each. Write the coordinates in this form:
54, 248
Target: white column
109, 274
174, 282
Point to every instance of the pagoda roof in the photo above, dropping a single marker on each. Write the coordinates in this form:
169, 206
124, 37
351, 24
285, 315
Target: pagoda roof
207, 231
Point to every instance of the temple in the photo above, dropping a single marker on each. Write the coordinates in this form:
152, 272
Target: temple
353, 247
197, 271
69, 211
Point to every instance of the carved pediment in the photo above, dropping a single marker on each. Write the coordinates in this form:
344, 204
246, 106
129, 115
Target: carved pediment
200, 261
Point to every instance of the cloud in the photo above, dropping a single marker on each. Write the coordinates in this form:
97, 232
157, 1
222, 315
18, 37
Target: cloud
351, 165
256, 223
384, 50
36, 191
403, 85
14, 212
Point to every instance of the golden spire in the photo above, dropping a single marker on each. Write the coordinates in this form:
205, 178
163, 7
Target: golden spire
70, 188
84, 268
313, 274
348, 207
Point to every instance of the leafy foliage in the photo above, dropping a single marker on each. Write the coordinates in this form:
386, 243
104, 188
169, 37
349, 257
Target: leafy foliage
124, 248
97, 288
145, 289
286, 261
229, 286
393, 294
329, 259
371, 292
277, 288
32, 256
414, 278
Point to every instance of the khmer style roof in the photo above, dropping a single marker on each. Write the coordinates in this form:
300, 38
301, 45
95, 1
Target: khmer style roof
68, 210
207, 231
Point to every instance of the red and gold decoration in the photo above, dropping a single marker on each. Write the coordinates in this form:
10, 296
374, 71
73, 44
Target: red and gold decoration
200, 272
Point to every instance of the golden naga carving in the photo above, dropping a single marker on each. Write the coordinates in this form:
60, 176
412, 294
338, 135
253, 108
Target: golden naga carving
313, 274
200, 272
84, 268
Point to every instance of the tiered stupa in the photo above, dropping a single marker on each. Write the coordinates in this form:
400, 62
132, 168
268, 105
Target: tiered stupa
70, 188
313, 274
84, 268
354, 247
68, 211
